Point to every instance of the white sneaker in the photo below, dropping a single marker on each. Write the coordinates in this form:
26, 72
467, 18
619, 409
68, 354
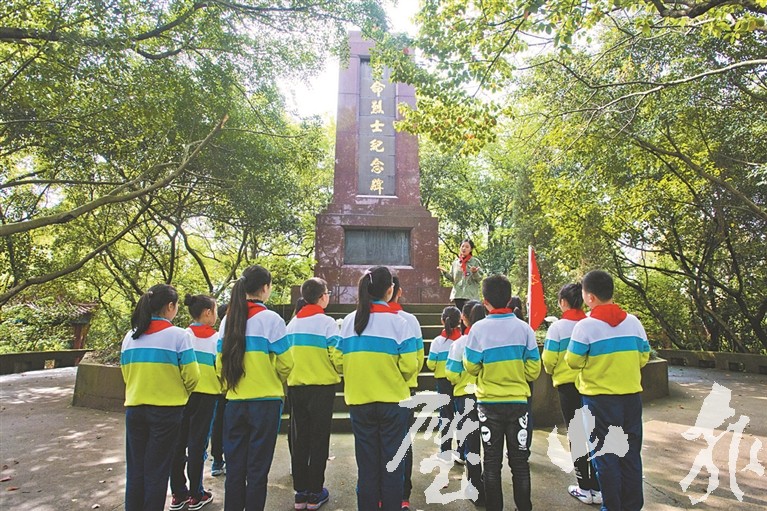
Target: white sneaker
582, 495
596, 497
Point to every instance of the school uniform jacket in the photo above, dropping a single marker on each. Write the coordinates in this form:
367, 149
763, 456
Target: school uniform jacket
414, 331
267, 360
555, 347
440, 347
502, 353
378, 364
608, 356
313, 337
159, 368
464, 383
204, 340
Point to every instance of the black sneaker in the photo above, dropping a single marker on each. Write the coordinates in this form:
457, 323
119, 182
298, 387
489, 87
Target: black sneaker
316, 500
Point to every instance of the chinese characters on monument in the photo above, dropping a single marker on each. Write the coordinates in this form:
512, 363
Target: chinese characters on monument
377, 145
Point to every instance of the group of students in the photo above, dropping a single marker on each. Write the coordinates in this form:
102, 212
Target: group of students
174, 377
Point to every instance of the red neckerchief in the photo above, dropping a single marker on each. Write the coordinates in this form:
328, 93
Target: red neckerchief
157, 325
574, 314
395, 306
254, 308
609, 313
464, 261
453, 336
203, 331
310, 309
504, 310
466, 332
380, 307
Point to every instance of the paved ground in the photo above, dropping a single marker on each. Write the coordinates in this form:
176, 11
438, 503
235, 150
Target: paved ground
56, 457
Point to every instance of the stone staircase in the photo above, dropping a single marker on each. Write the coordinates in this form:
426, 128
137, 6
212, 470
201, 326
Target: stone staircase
428, 316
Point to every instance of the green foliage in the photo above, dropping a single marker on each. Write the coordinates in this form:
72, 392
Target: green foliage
100, 100
470, 51
40, 326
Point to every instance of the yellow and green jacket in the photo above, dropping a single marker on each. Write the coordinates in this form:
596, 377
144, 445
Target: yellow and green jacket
378, 364
159, 368
438, 351
609, 349
464, 383
204, 340
414, 331
502, 353
313, 337
267, 361
555, 347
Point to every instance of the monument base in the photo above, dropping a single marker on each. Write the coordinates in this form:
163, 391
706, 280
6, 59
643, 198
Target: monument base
344, 250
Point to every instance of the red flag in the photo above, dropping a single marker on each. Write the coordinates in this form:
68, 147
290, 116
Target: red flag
536, 306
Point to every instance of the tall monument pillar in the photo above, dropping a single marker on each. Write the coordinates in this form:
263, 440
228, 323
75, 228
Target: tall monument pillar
375, 217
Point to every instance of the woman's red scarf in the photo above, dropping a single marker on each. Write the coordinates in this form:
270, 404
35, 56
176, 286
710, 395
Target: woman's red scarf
464, 261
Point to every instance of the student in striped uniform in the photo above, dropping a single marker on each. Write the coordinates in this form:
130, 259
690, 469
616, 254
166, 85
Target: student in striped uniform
379, 359
254, 361
440, 346
313, 337
464, 386
502, 353
160, 371
609, 348
198, 412
218, 467
563, 377
414, 331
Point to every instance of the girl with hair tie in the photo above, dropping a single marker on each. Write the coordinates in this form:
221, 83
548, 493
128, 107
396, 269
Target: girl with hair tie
160, 371
378, 359
440, 347
563, 377
254, 361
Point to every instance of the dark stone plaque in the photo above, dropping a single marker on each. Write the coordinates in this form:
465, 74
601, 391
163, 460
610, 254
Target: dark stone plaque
377, 247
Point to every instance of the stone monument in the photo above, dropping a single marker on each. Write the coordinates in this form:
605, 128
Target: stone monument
375, 217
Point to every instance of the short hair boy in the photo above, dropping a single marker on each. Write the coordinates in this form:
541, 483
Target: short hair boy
609, 348
502, 352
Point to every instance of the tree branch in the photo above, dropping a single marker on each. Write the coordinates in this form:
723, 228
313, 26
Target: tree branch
114, 196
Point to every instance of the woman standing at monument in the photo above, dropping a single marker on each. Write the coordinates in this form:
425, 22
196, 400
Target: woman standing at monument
379, 358
465, 274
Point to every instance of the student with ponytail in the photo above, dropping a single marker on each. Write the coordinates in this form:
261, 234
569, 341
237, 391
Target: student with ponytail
379, 358
440, 347
313, 336
563, 377
198, 412
254, 361
160, 371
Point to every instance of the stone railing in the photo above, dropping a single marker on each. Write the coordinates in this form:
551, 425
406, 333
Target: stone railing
35, 360
741, 362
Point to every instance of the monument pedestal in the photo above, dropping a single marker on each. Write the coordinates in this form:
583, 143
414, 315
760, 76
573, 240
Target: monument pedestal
376, 217
419, 279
